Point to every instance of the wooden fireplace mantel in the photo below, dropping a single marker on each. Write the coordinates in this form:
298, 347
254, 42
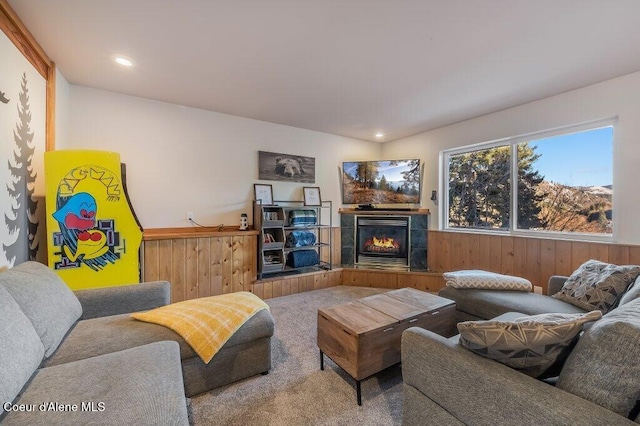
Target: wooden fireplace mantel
383, 211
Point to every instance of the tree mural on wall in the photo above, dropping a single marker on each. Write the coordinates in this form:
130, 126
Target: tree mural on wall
22, 222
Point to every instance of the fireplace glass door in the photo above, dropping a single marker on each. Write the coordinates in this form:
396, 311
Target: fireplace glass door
382, 241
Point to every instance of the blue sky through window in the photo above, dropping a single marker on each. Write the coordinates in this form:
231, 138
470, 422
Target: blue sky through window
577, 159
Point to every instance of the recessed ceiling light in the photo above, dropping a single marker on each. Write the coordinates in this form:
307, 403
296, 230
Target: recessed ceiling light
379, 135
122, 60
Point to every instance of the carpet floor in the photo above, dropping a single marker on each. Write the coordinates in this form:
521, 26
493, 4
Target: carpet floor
296, 391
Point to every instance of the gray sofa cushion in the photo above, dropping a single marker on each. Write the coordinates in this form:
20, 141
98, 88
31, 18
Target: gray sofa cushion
487, 304
20, 348
104, 335
603, 367
45, 299
139, 386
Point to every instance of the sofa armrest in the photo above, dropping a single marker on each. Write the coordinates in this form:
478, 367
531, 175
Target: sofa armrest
480, 391
555, 284
102, 302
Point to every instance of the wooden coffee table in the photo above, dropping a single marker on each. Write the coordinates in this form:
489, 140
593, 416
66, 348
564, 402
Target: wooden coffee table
363, 337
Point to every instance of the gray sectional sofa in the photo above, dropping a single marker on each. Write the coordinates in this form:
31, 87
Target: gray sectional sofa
599, 383
79, 358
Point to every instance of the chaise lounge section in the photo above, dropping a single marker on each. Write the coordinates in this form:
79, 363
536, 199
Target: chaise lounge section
85, 348
484, 304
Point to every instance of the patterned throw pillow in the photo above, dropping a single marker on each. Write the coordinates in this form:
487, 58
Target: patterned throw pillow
598, 285
632, 293
531, 344
474, 278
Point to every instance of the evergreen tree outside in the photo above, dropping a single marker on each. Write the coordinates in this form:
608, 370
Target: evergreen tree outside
480, 188
22, 222
530, 192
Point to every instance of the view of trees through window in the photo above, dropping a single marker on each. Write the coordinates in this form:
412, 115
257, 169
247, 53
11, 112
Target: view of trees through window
564, 184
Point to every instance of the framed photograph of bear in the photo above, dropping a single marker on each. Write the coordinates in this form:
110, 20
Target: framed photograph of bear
286, 167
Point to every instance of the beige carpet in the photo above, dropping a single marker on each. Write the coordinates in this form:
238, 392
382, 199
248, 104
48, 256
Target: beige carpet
296, 391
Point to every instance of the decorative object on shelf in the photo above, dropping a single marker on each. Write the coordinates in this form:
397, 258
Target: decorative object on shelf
263, 193
312, 196
286, 167
244, 222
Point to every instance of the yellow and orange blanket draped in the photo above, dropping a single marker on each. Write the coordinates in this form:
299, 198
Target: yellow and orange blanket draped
206, 323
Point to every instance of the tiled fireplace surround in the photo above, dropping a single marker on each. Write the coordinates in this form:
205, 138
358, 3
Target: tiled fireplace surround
417, 235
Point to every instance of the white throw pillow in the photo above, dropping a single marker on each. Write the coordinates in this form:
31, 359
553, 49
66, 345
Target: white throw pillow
475, 278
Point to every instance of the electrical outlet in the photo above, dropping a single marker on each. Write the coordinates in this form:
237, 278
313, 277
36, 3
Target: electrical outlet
189, 216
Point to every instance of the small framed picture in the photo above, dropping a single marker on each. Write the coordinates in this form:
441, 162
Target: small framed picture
263, 193
312, 196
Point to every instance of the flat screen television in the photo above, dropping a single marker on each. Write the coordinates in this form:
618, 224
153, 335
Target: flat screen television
381, 182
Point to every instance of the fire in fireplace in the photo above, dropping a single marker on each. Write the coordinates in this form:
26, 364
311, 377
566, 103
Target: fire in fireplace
382, 241
382, 245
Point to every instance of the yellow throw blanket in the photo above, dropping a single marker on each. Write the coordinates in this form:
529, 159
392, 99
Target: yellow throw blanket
206, 323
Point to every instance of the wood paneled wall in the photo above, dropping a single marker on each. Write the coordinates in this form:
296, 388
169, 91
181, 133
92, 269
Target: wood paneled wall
535, 259
223, 262
425, 281
201, 266
207, 262
284, 286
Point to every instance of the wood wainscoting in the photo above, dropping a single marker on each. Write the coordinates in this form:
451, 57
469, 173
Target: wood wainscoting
201, 262
208, 261
425, 281
535, 259
299, 283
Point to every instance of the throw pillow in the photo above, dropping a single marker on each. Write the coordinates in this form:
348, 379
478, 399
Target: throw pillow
531, 344
474, 278
603, 367
597, 285
45, 299
632, 293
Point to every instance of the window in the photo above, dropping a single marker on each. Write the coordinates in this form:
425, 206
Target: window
563, 183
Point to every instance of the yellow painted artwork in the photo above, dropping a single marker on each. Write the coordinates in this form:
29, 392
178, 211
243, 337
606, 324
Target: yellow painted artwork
93, 237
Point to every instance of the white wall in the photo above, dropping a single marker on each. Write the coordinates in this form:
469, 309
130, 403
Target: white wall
617, 97
183, 159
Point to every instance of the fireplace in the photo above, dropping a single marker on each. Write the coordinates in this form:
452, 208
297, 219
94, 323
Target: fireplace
382, 241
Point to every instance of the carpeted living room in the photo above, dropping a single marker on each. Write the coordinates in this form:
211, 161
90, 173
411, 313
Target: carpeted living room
289, 213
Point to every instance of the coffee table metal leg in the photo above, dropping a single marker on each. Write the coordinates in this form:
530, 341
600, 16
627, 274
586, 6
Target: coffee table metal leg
321, 361
358, 392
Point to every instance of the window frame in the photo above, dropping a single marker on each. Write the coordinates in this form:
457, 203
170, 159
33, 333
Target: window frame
513, 142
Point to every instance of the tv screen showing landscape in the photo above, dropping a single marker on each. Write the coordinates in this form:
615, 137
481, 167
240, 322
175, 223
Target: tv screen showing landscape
381, 182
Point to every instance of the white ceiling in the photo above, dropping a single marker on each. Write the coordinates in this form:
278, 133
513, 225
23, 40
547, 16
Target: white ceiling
347, 67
